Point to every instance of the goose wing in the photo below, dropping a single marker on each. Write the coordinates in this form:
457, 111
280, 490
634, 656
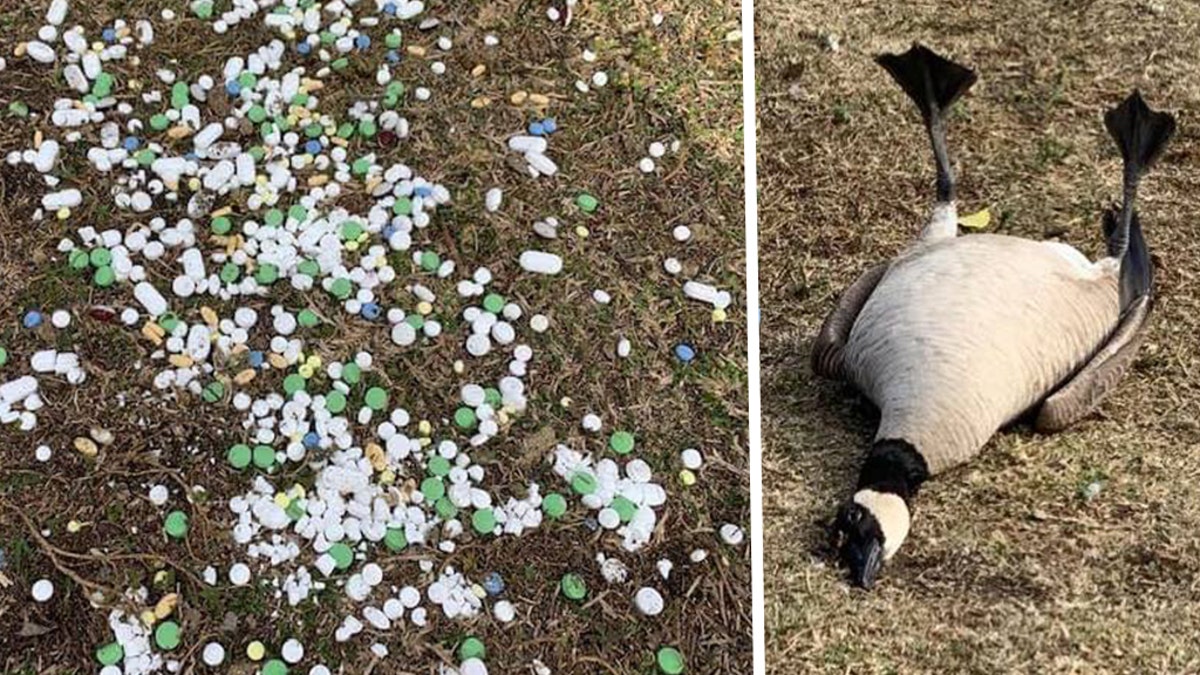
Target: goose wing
829, 347
1084, 390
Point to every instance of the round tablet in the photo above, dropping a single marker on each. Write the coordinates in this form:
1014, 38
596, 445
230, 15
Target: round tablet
166, 635
42, 590
213, 654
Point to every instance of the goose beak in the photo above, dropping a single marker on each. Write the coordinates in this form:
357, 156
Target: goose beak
865, 562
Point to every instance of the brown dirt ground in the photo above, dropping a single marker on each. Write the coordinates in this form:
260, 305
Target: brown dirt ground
681, 80
1008, 568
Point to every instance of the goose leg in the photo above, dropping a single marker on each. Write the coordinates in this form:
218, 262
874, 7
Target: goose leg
830, 343
1080, 395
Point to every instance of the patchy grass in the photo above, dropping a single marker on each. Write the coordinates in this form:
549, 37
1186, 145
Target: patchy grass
1008, 568
680, 80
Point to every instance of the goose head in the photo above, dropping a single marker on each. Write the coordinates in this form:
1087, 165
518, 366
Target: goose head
871, 526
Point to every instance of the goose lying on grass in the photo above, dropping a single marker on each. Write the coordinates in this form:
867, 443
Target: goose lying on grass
958, 336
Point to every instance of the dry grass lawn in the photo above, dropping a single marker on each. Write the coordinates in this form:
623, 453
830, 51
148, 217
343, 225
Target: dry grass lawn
1009, 568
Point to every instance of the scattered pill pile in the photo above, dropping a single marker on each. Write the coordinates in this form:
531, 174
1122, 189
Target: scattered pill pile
234, 294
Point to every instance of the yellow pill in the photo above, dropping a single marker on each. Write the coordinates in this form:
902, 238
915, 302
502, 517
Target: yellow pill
147, 617
63, 213
166, 605
459, 367
282, 500
255, 651
424, 308
314, 361
351, 246
74, 526
306, 371
424, 428
719, 316
582, 232
687, 477
387, 477
194, 184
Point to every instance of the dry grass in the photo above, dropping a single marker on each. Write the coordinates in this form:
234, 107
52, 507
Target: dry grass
1008, 569
681, 80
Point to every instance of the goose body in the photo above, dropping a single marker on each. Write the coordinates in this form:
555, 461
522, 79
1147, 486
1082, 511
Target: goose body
958, 336
964, 334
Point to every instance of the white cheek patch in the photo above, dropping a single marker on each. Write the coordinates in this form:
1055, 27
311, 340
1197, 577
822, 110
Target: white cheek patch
892, 514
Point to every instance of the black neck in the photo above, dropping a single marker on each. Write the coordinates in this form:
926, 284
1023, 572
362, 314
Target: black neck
894, 466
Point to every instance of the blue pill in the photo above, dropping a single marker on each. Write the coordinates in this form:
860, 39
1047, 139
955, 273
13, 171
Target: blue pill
684, 352
550, 125
371, 311
388, 231
493, 583
233, 88
423, 191
390, 9
132, 143
303, 48
311, 440
393, 56
256, 359
312, 147
109, 35
33, 319
191, 156
537, 129
362, 41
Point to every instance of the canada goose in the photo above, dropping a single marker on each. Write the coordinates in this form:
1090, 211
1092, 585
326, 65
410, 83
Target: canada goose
958, 336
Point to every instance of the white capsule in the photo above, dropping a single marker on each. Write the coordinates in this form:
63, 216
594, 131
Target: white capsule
541, 262
493, 199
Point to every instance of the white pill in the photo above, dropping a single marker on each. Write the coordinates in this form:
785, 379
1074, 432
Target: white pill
504, 611
493, 199
681, 233
478, 345
292, 651
539, 323
648, 601
657, 149
609, 519
61, 318
732, 534
239, 574
541, 262
473, 666
42, 590
646, 165
159, 495
214, 654
150, 298
691, 459
672, 266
